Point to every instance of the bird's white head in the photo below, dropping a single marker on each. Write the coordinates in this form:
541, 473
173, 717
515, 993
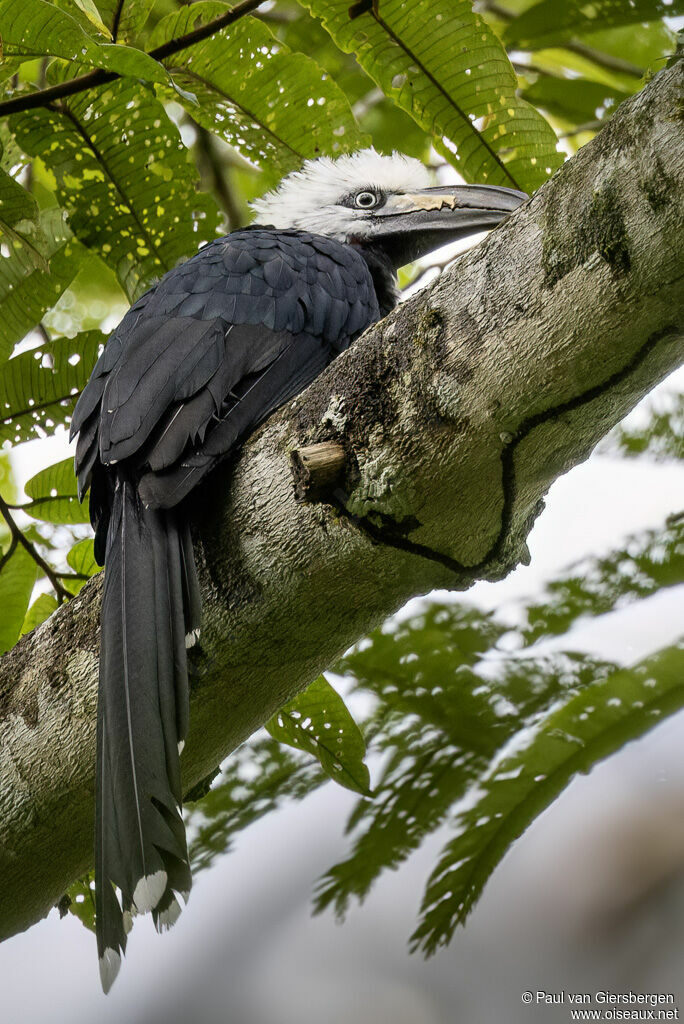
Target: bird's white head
337, 197
382, 201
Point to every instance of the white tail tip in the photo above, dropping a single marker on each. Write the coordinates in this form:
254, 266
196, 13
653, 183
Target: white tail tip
110, 962
167, 918
191, 638
149, 891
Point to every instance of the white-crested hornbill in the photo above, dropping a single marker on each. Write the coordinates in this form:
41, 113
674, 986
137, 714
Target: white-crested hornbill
195, 365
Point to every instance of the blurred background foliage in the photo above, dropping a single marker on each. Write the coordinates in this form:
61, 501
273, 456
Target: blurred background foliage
132, 132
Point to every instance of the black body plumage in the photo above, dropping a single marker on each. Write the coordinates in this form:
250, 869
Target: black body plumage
195, 365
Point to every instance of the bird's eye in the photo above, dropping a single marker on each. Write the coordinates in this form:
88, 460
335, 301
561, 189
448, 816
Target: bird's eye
366, 200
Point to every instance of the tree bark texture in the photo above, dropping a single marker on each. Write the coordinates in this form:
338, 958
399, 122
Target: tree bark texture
455, 414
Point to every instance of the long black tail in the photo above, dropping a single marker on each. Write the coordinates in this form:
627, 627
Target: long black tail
151, 603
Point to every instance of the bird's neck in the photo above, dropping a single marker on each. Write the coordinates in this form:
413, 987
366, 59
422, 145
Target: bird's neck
384, 277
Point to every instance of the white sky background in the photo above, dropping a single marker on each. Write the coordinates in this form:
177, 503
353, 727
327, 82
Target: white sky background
246, 950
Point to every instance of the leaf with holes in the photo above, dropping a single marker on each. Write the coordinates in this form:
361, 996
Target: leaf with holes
124, 176
79, 900
17, 576
441, 62
41, 609
438, 722
53, 495
27, 291
551, 24
526, 775
34, 28
39, 388
318, 721
17, 205
276, 107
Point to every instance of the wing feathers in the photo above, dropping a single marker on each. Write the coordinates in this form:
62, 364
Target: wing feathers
261, 394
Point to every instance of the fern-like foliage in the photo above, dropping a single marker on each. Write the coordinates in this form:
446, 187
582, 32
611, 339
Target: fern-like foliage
276, 107
36, 266
123, 174
260, 777
34, 28
441, 62
527, 774
475, 730
660, 438
649, 562
39, 388
440, 722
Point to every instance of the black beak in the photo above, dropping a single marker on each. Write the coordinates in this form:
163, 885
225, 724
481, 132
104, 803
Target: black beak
411, 224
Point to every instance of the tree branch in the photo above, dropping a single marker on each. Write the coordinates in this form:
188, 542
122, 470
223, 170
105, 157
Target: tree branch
17, 535
45, 97
455, 414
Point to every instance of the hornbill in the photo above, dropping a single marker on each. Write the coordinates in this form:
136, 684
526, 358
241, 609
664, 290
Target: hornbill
195, 365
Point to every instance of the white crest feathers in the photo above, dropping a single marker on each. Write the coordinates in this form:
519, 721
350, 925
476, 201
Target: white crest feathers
308, 199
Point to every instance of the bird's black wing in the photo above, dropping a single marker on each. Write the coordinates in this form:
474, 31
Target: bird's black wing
195, 365
217, 345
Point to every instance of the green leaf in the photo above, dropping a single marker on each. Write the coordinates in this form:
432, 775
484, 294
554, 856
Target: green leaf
124, 176
15, 202
17, 577
81, 558
525, 777
438, 723
39, 388
660, 438
8, 490
80, 901
34, 28
259, 776
40, 610
26, 290
648, 563
54, 497
575, 99
442, 63
551, 24
126, 16
86, 9
318, 721
276, 107
561, 63
17, 205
